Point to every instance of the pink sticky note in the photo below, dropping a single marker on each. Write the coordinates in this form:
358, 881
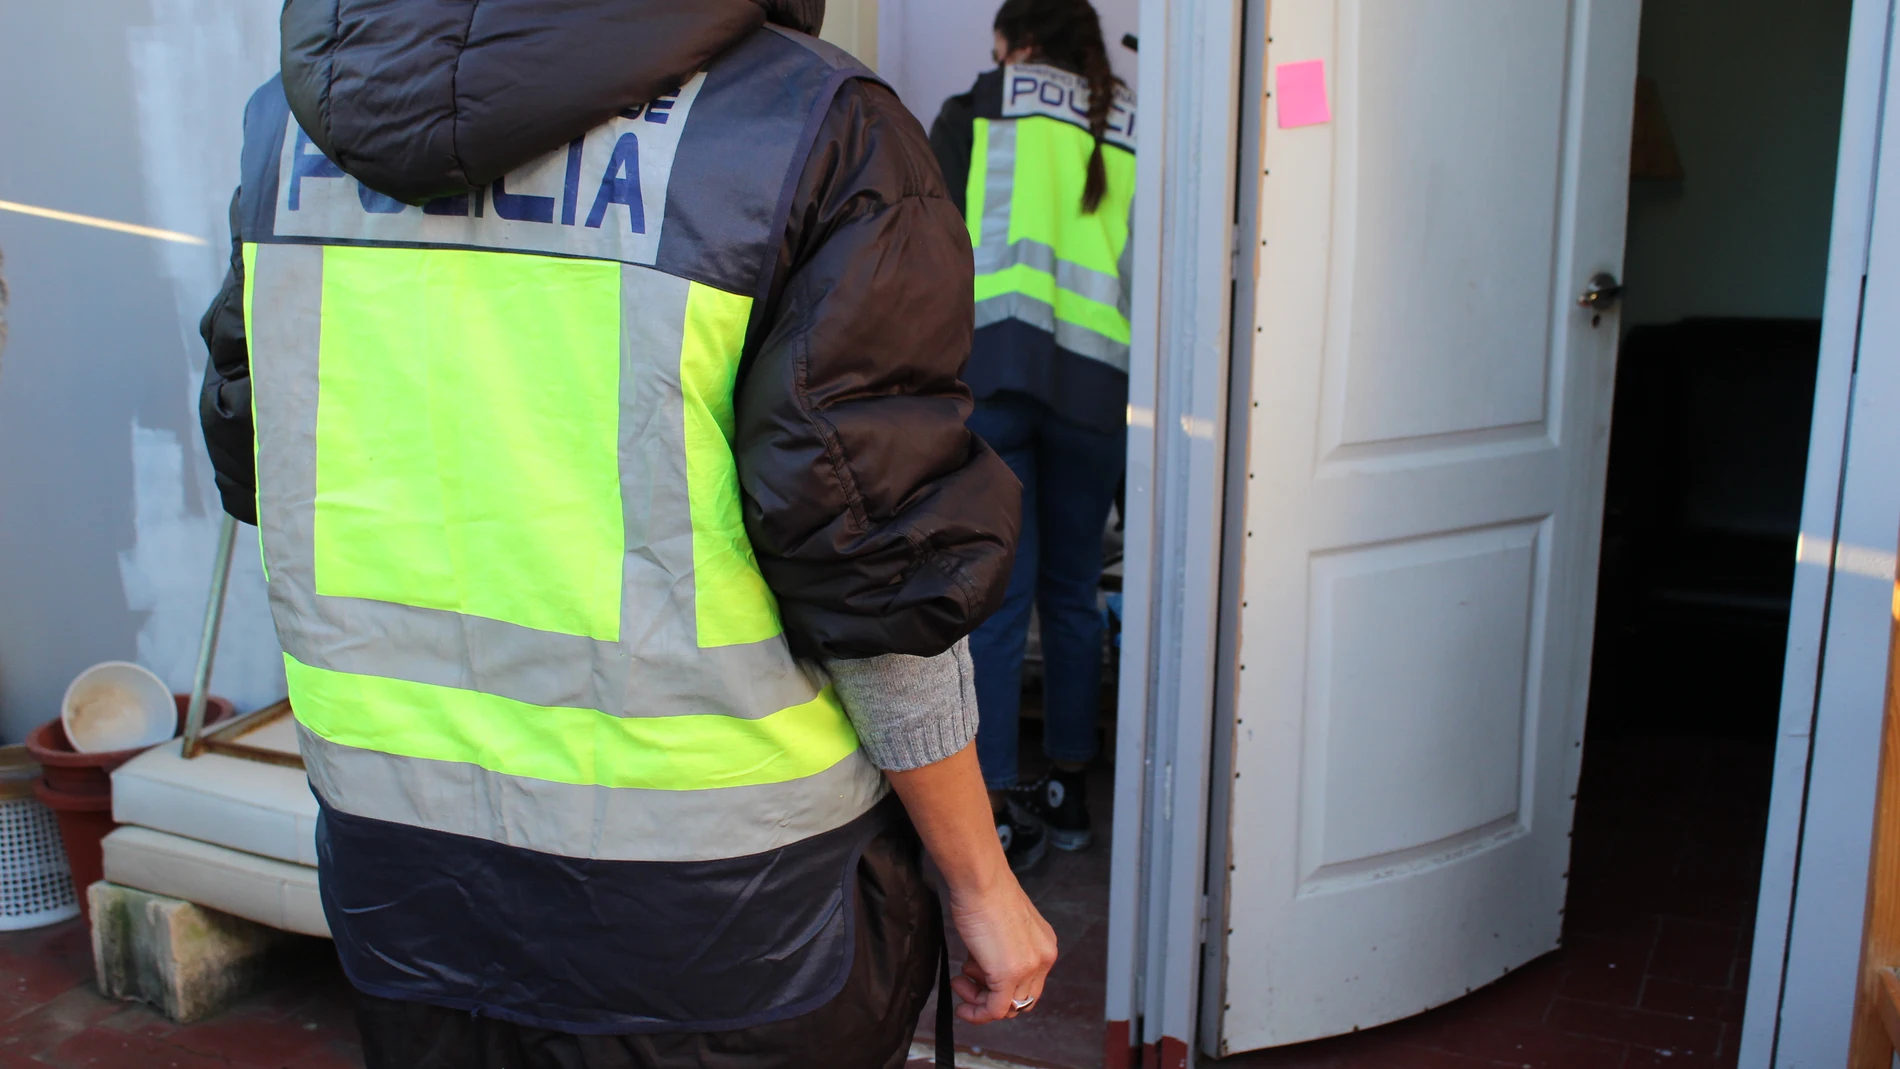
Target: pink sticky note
1302, 88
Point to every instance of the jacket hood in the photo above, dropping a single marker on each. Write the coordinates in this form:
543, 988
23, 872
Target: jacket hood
426, 98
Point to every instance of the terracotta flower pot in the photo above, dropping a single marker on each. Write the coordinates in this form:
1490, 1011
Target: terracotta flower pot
77, 787
71, 772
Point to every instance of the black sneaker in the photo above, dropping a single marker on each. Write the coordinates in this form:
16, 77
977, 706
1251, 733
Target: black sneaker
1059, 802
1024, 845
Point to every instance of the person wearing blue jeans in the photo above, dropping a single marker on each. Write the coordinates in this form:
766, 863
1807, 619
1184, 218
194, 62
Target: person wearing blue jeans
1039, 156
1069, 473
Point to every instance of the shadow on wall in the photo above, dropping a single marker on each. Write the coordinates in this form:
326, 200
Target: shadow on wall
1743, 229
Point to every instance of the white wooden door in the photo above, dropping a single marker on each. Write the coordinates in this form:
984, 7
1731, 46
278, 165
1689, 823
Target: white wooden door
1428, 434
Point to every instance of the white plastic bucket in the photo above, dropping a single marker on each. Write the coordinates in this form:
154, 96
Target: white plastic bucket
117, 705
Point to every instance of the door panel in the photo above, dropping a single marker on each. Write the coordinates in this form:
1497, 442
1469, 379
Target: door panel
1393, 740
1449, 216
1425, 460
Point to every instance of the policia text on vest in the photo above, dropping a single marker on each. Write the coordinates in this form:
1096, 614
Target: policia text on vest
615, 170
1035, 89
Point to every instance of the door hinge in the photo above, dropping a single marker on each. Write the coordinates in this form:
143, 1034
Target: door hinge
1203, 920
1233, 255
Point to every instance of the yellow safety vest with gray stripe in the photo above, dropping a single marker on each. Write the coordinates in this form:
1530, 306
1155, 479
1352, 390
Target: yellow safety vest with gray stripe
502, 526
1040, 259
501, 521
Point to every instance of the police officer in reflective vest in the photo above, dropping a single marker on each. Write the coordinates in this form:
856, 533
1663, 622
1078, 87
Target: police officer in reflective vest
1041, 154
591, 372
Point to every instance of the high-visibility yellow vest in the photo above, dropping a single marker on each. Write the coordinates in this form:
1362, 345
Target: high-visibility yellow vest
544, 696
1040, 259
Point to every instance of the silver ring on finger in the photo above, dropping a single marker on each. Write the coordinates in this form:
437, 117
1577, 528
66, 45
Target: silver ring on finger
1022, 1004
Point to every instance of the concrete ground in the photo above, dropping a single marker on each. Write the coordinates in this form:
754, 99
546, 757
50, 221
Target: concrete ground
51, 1015
1668, 842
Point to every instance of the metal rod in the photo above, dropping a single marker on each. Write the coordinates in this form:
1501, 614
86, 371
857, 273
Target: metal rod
208, 644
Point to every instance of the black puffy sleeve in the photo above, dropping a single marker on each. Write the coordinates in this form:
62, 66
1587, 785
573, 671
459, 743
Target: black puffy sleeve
879, 520
224, 403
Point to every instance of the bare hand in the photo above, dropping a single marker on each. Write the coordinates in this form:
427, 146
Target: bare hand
1011, 946
1011, 951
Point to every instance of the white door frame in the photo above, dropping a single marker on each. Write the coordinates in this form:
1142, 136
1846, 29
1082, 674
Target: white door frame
1820, 822
1177, 428
1814, 871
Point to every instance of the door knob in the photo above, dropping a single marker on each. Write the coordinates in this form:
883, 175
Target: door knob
1603, 292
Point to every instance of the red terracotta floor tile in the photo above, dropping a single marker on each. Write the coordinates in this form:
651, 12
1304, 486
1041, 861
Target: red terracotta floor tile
1661, 995
53, 961
243, 1040
1603, 908
1608, 970
136, 1018
97, 1049
1651, 1059
1696, 952
1533, 1047
1351, 1052
59, 1019
1523, 997
333, 1055
1636, 1028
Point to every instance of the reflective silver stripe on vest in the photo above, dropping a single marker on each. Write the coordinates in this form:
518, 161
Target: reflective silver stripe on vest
1086, 281
1076, 339
607, 823
995, 252
656, 669
999, 193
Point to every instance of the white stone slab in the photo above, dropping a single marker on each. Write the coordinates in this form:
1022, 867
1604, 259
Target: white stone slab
260, 889
250, 806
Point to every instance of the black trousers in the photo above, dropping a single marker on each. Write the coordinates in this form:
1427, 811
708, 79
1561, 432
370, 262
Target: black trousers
869, 1024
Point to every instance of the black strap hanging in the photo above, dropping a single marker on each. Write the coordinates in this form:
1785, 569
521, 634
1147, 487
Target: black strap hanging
946, 1005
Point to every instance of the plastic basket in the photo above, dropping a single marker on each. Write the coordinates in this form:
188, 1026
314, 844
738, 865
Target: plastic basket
36, 888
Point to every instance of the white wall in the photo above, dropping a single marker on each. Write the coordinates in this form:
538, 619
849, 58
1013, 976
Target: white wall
1752, 89
127, 110
852, 26
929, 50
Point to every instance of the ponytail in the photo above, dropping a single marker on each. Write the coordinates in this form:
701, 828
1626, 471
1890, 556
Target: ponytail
1068, 34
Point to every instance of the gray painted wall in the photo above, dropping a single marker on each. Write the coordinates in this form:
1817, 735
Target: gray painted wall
127, 110
1752, 89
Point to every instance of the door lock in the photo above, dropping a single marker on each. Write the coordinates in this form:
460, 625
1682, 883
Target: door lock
1602, 294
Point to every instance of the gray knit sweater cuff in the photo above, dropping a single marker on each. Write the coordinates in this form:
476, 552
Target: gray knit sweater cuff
909, 711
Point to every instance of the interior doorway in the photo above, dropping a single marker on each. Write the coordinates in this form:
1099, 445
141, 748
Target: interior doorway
1729, 222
